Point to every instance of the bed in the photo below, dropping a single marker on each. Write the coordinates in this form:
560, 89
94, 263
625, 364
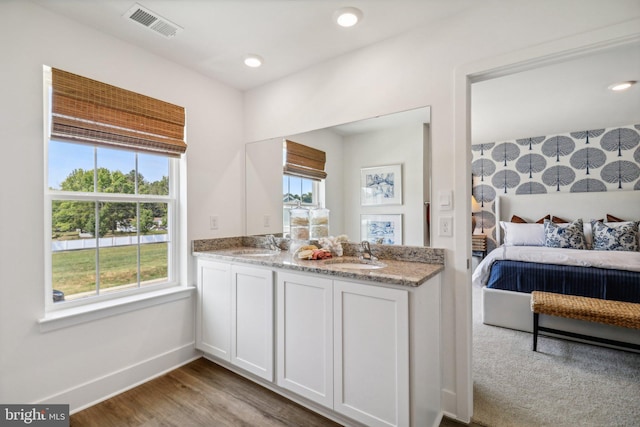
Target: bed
522, 263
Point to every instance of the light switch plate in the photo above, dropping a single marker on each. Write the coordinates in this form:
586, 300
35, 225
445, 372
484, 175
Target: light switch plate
445, 200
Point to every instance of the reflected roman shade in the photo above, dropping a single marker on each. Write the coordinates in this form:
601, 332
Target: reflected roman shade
303, 161
85, 110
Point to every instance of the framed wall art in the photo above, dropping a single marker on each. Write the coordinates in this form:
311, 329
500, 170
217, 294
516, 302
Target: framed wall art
381, 185
381, 229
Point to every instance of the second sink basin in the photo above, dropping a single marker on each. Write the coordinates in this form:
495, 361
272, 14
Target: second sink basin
356, 265
255, 252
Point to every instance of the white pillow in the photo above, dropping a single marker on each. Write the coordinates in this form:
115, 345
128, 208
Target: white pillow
516, 234
588, 233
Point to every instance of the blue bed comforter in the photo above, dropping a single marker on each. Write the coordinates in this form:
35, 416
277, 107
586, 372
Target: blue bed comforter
520, 276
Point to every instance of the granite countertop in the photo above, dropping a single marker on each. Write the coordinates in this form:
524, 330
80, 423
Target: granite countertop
402, 265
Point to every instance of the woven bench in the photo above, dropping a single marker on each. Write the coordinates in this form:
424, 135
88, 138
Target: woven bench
616, 313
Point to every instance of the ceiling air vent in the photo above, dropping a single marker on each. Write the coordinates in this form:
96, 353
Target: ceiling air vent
152, 21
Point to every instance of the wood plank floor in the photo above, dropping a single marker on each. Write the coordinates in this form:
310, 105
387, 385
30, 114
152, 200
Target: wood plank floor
200, 393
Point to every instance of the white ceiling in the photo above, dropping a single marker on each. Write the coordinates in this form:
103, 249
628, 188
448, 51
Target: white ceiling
567, 96
292, 35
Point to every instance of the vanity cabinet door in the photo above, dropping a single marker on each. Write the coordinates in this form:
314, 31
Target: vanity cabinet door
252, 320
213, 325
371, 354
305, 336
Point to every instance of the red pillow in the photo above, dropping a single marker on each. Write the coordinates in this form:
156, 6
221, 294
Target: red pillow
519, 220
541, 220
557, 220
611, 218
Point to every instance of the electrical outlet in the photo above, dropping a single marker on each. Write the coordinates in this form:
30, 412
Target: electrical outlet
266, 221
213, 222
446, 226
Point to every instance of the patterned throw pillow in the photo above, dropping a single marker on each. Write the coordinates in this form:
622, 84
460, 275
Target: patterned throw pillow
569, 235
622, 237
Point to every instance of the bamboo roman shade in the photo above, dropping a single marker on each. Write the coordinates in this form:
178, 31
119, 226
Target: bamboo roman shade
303, 161
85, 110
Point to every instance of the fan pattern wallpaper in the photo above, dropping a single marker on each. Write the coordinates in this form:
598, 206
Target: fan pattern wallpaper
583, 161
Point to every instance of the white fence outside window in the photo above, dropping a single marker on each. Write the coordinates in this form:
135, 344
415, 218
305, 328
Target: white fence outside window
71, 245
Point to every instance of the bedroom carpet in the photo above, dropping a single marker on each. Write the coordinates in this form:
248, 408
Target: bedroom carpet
563, 384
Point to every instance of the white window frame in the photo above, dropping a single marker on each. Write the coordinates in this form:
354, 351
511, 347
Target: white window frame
110, 302
317, 186
318, 201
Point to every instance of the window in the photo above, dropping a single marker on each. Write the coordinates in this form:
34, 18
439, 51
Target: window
296, 190
302, 182
111, 195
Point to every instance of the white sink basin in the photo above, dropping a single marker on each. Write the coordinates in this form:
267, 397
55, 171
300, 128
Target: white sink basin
255, 252
357, 265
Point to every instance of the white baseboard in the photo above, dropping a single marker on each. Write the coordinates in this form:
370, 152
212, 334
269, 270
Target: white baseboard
438, 420
88, 394
449, 402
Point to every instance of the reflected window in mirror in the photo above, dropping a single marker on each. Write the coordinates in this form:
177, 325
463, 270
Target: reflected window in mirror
307, 192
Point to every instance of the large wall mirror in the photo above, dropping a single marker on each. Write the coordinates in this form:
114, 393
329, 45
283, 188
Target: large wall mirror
386, 141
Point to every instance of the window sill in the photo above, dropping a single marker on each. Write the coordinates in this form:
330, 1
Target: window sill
73, 316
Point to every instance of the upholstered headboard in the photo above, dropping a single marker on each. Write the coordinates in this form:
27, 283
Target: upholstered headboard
570, 206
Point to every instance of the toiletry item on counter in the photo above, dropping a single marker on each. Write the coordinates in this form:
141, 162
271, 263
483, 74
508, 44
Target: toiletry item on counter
312, 252
299, 223
333, 244
319, 223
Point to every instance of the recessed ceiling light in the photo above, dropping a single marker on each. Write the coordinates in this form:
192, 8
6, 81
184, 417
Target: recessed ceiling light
622, 85
347, 16
253, 61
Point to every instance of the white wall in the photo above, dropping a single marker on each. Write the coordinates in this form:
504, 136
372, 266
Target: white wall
422, 68
264, 187
80, 364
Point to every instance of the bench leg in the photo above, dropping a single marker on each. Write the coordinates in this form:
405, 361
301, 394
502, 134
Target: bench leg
535, 331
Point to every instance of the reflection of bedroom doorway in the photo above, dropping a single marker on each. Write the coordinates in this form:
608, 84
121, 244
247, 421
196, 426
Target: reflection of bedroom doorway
532, 98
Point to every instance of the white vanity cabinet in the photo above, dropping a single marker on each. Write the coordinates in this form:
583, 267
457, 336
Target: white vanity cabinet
213, 325
305, 336
371, 353
351, 350
252, 320
235, 315
367, 352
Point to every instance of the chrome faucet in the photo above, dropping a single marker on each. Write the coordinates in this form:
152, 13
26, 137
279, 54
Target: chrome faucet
273, 244
366, 251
